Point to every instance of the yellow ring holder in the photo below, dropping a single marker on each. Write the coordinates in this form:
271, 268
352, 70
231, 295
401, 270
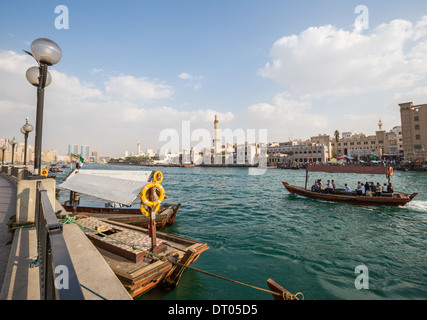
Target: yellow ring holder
145, 202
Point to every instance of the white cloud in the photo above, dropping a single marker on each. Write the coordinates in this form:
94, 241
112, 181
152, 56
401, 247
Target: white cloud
185, 76
141, 90
193, 81
326, 61
285, 117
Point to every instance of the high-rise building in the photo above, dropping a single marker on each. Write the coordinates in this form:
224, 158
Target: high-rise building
95, 155
84, 152
73, 149
414, 131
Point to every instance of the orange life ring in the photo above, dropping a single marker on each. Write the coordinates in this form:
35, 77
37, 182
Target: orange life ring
390, 171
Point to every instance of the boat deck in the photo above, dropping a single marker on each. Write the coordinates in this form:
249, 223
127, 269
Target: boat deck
138, 271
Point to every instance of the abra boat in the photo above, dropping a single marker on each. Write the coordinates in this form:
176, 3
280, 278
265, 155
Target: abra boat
121, 188
339, 195
129, 215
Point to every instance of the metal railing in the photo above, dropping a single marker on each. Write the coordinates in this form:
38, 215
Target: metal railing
58, 279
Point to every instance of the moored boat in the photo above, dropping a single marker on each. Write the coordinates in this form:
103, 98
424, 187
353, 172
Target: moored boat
130, 215
120, 188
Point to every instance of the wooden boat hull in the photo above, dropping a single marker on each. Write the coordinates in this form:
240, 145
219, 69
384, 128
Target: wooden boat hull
136, 271
396, 199
132, 216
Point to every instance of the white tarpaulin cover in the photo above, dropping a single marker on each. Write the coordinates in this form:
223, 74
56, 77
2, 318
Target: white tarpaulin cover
112, 185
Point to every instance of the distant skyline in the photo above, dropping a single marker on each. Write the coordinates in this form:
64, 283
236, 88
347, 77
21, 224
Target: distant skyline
131, 69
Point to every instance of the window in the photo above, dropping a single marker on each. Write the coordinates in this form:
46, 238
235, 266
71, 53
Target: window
416, 118
417, 137
417, 127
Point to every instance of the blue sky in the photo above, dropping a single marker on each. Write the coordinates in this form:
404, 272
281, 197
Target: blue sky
133, 68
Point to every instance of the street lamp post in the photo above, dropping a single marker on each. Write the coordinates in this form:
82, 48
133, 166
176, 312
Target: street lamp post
13, 142
3, 148
26, 129
46, 52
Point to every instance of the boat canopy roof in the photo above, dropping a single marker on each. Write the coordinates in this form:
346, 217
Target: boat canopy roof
347, 169
121, 186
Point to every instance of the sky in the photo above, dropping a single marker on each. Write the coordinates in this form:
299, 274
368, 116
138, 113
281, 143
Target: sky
132, 71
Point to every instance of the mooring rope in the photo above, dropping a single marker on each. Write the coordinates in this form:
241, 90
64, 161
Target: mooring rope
287, 296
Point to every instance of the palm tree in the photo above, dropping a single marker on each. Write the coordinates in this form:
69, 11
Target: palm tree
337, 135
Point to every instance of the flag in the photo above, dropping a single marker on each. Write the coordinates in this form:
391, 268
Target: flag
79, 159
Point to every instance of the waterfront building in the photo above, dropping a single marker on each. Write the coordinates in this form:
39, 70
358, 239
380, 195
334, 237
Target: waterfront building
49, 156
297, 152
95, 156
73, 149
383, 145
414, 131
84, 152
326, 140
18, 154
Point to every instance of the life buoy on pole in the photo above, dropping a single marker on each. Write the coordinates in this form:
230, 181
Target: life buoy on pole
145, 197
158, 177
44, 172
146, 212
390, 171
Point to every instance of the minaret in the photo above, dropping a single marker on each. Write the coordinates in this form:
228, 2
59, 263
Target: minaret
139, 149
217, 146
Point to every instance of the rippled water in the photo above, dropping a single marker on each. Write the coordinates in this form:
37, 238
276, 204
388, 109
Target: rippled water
256, 230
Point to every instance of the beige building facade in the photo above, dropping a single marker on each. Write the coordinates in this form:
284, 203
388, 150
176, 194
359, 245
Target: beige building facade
414, 131
384, 145
297, 152
19, 153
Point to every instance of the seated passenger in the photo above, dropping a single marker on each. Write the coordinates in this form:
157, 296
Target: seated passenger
329, 187
378, 190
362, 189
347, 188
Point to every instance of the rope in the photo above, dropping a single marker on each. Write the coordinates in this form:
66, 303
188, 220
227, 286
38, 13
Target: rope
288, 296
93, 292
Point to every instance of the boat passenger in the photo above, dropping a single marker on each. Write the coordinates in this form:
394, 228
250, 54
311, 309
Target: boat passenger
333, 185
385, 187
315, 186
347, 188
378, 190
362, 189
358, 188
368, 191
390, 187
329, 187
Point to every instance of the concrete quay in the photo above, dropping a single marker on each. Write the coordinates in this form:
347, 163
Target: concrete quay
19, 276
